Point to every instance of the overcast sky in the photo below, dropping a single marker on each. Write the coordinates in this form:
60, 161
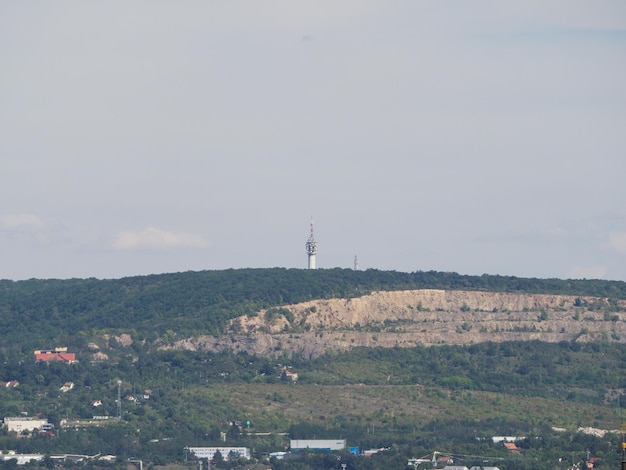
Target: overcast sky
141, 137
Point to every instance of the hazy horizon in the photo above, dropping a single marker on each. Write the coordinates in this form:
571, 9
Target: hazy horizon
152, 137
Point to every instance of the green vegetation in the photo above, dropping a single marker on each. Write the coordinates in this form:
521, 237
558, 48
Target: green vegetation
411, 401
167, 306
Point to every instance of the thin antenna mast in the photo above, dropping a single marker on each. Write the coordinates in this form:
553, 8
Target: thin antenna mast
119, 400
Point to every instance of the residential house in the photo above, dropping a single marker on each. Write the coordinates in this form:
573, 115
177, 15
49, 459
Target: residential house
57, 354
10, 384
511, 446
289, 376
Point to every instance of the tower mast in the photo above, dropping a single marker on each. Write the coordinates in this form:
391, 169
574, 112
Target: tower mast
311, 248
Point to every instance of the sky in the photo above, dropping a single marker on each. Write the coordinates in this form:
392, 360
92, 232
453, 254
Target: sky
151, 137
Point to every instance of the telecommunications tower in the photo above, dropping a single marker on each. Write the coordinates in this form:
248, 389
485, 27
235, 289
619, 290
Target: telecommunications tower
311, 248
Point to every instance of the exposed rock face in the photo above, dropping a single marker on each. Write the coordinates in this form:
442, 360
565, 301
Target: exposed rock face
419, 318
99, 357
124, 339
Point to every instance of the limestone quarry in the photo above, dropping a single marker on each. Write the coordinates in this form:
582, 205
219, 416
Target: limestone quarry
412, 318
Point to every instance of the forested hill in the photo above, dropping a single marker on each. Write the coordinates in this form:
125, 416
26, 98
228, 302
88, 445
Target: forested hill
42, 313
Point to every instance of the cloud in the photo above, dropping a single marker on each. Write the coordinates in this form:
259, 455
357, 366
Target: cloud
617, 240
20, 221
154, 238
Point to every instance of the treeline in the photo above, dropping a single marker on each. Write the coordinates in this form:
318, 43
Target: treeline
37, 313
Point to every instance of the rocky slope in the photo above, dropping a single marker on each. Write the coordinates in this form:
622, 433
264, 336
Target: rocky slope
419, 318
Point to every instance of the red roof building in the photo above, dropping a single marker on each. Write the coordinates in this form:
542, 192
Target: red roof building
511, 446
10, 384
59, 355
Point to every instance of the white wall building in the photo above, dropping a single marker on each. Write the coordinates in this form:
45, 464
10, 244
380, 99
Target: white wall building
226, 452
22, 459
20, 424
317, 444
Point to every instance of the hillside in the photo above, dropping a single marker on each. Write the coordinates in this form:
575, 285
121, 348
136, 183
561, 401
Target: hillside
192, 353
425, 317
266, 311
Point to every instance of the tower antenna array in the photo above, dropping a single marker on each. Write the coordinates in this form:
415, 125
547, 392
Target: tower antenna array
311, 248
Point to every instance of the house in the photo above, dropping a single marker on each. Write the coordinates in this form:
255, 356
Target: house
289, 376
511, 446
57, 354
10, 384
67, 386
455, 467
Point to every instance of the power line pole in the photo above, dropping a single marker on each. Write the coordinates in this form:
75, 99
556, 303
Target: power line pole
119, 400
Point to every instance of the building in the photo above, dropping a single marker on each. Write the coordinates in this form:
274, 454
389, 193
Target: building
21, 424
226, 452
370, 452
22, 459
497, 439
511, 446
10, 384
317, 444
289, 376
57, 354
